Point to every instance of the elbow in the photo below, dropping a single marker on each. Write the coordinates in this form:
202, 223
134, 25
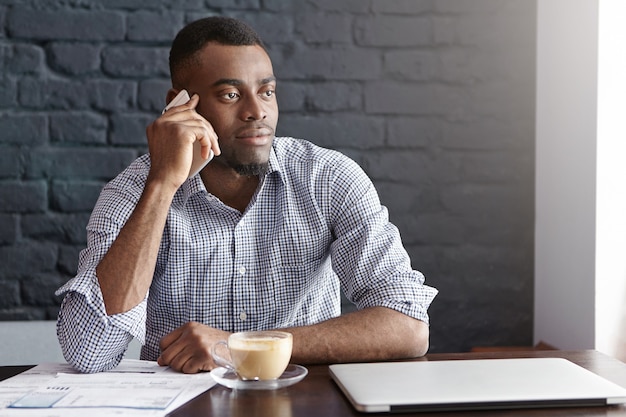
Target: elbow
81, 352
86, 363
89, 367
416, 343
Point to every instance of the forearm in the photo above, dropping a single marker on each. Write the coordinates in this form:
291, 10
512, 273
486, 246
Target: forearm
370, 334
125, 272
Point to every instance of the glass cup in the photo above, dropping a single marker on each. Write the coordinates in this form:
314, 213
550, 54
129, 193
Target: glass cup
257, 355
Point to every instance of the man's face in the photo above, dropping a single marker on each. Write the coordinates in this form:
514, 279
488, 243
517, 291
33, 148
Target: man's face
236, 85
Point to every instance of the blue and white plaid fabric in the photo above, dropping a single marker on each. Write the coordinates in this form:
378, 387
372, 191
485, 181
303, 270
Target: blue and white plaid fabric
315, 226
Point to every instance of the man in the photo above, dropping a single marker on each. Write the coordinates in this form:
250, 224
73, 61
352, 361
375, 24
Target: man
264, 237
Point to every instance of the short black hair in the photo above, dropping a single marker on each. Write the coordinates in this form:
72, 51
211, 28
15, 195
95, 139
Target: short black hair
195, 36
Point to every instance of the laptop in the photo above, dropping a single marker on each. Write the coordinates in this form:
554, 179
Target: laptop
478, 384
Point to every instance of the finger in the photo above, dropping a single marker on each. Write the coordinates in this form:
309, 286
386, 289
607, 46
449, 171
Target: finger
208, 141
194, 365
178, 361
170, 338
171, 355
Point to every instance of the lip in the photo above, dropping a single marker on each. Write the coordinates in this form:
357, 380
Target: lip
254, 133
255, 136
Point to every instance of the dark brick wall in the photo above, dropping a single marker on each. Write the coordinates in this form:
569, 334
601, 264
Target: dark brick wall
434, 98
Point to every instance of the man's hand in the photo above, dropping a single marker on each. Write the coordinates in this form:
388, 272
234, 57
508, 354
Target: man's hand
171, 138
188, 348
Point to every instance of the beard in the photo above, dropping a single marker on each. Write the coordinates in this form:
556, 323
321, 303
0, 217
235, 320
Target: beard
251, 170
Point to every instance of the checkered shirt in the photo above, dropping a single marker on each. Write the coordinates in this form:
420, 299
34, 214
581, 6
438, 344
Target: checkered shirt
314, 227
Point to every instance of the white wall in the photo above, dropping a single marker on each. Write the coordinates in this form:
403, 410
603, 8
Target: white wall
611, 182
565, 173
580, 241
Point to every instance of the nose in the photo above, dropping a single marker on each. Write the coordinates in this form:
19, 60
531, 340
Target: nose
253, 109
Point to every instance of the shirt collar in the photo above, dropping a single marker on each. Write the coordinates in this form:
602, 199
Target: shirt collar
274, 164
195, 185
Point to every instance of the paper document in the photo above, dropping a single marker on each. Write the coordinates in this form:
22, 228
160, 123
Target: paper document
134, 388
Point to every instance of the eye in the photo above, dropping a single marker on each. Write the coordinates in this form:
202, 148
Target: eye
231, 95
268, 93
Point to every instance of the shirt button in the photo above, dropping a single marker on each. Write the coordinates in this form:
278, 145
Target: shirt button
243, 316
242, 270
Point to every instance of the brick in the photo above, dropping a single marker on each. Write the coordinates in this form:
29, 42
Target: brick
265, 25
333, 96
23, 313
336, 63
131, 61
283, 6
486, 134
411, 65
393, 31
477, 199
424, 259
74, 58
8, 229
431, 228
23, 196
513, 97
236, 4
11, 162
154, 25
9, 294
64, 24
402, 7
38, 290
414, 99
494, 167
155, 4
25, 59
412, 133
109, 95
51, 312
405, 199
84, 163
24, 129
52, 94
194, 15
8, 91
68, 258
400, 165
291, 96
2, 27
5, 53
457, 66
105, 95
444, 31
355, 131
325, 28
351, 6
130, 129
502, 228
510, 20
75, 196
470, 261
59, 228
27, 258
152, 94
399, 99
78, 128
460, 7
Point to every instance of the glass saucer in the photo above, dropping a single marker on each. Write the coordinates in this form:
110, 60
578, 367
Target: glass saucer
228, 378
